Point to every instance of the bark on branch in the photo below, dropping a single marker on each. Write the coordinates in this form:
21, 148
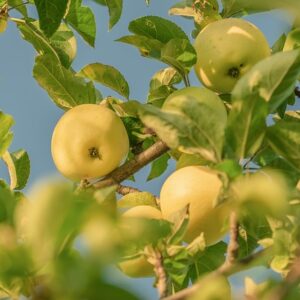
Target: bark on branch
227, 269
133, 165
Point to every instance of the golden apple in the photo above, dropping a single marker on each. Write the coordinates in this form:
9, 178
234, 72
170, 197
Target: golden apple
139, 267
226, 50
89, 141
199, 187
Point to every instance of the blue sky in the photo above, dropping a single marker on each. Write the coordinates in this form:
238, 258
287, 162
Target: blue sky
35, 115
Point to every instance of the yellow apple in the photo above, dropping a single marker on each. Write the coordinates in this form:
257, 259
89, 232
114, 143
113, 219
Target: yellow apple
89, 141
199, 187
292, 40
139, 267
202, 95
226, 50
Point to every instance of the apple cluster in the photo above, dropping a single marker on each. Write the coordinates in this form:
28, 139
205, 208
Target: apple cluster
96, 141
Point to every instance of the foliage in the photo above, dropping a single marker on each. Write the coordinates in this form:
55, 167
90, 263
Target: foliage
58, 241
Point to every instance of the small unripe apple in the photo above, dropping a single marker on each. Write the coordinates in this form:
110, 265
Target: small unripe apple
89, 141
226, 50
199, 187
139, 267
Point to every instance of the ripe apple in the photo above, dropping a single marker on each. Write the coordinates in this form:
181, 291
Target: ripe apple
139, 267
199, 187
292, 40
226, 50
202, 95
89, 141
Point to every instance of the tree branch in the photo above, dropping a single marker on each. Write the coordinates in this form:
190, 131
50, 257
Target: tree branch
125, 190
162, 279
227, 270
233, 246
132, 166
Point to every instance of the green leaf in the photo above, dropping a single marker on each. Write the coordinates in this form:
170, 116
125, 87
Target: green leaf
194, 129
18, 164
18, 5
50, 12
82, 19
63, 86
135, 199
284, 139
261, 91
180, 54
165, 77
6, 136
115, 11
159, 166
61, 46
157, 28
186, 160
108, 76
8, 203
279, 44
148, 47
209, 260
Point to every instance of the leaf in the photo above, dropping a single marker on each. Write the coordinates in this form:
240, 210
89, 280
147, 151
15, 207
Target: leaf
180, 54
8, 203
195, 129
148, 47
135, 199
183, 8
108, 76
6, 136
115, 11
284, 139
261, 91
18, 6
18, 164
159, 166
165, 77
63, 86
50, 12
157, 28
279, 44
186, 160
210, 259
82, 19
237, 7
61, 46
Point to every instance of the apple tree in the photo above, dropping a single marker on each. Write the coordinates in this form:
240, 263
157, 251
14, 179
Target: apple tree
233, 202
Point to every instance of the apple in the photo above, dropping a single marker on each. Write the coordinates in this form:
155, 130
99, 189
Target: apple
202, 95
89, 141
139, 267
292, 40
199, 187
226, 50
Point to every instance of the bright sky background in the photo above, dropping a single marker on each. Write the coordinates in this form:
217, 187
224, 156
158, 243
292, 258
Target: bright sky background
35, 115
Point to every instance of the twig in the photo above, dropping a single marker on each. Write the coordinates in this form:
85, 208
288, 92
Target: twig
125, 190
233, 246
132, 166
227, 270
162, 279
